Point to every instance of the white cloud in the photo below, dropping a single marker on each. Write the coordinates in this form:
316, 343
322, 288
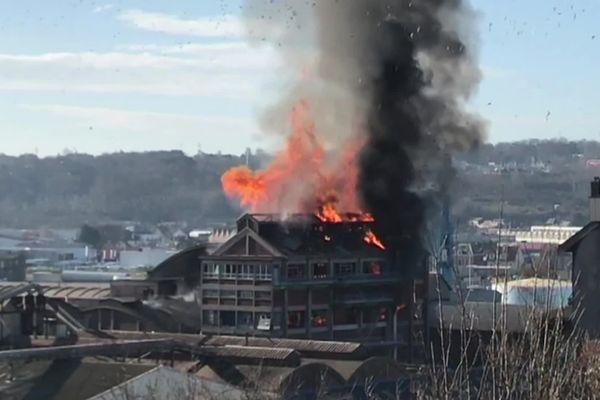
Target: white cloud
97, 129
211, 27
137, 121
189, 48
102, 8
223, 71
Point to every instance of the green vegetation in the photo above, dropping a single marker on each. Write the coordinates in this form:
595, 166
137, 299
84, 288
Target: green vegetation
73, 189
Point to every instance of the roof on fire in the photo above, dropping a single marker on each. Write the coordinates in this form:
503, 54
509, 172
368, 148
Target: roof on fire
297, 235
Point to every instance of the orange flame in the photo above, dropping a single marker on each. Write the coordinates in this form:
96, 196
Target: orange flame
301, 178
371, 238
328, 213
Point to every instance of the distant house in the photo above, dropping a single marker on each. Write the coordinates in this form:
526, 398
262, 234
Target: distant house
551, 234
485, 256
584, 247
12, 266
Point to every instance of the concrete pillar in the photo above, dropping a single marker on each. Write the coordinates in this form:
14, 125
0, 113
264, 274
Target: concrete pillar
35, 315
360, 322
330, 311
309, 312
284, 317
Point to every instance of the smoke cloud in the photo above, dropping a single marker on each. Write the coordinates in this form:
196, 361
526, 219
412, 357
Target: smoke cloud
394, 73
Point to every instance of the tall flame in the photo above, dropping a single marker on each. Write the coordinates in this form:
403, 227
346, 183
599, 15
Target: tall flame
300, 178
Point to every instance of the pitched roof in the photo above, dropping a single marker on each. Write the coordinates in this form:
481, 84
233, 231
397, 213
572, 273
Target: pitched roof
66, 379
169, 384
240, 236
571, 244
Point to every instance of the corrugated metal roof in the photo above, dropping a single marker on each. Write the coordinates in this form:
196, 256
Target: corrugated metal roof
300, 345
15, 289
60, 291
78, 291
259, 353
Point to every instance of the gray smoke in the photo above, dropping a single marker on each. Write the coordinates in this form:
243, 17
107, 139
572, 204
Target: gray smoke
398, 72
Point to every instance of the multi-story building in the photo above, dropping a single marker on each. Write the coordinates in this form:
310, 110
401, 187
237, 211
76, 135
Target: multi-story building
12, 266
302, 278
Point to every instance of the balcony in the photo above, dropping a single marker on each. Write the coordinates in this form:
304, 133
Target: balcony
359, 279
363, 299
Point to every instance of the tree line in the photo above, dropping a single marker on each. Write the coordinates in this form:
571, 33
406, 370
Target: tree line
72, 189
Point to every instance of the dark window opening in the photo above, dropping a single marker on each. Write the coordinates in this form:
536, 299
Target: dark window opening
296, 271
320, 270
344, 269
319, 318
372, 268
228, 318
296, 319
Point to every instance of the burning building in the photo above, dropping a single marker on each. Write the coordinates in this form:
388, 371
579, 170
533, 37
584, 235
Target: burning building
298, 267
334, 245
305, 277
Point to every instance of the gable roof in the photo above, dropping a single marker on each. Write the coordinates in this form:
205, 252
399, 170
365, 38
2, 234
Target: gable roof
571, 244
247, 232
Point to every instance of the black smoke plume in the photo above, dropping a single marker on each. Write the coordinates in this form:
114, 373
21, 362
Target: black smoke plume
399, 70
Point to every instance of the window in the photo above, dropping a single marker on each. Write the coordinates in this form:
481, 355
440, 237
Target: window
296, 271
372, 268
319, 318
263, 295
245, 319
296, 319
263, 272
245, 294
228, 318
245, 271
229, 271
228, 294
320, 270
211, 270
210, 318
210, 293
344, 269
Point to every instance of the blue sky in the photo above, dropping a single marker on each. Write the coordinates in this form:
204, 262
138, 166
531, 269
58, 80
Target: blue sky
97, 76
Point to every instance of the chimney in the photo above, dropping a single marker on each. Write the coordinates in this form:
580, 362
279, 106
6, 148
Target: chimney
595, 200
